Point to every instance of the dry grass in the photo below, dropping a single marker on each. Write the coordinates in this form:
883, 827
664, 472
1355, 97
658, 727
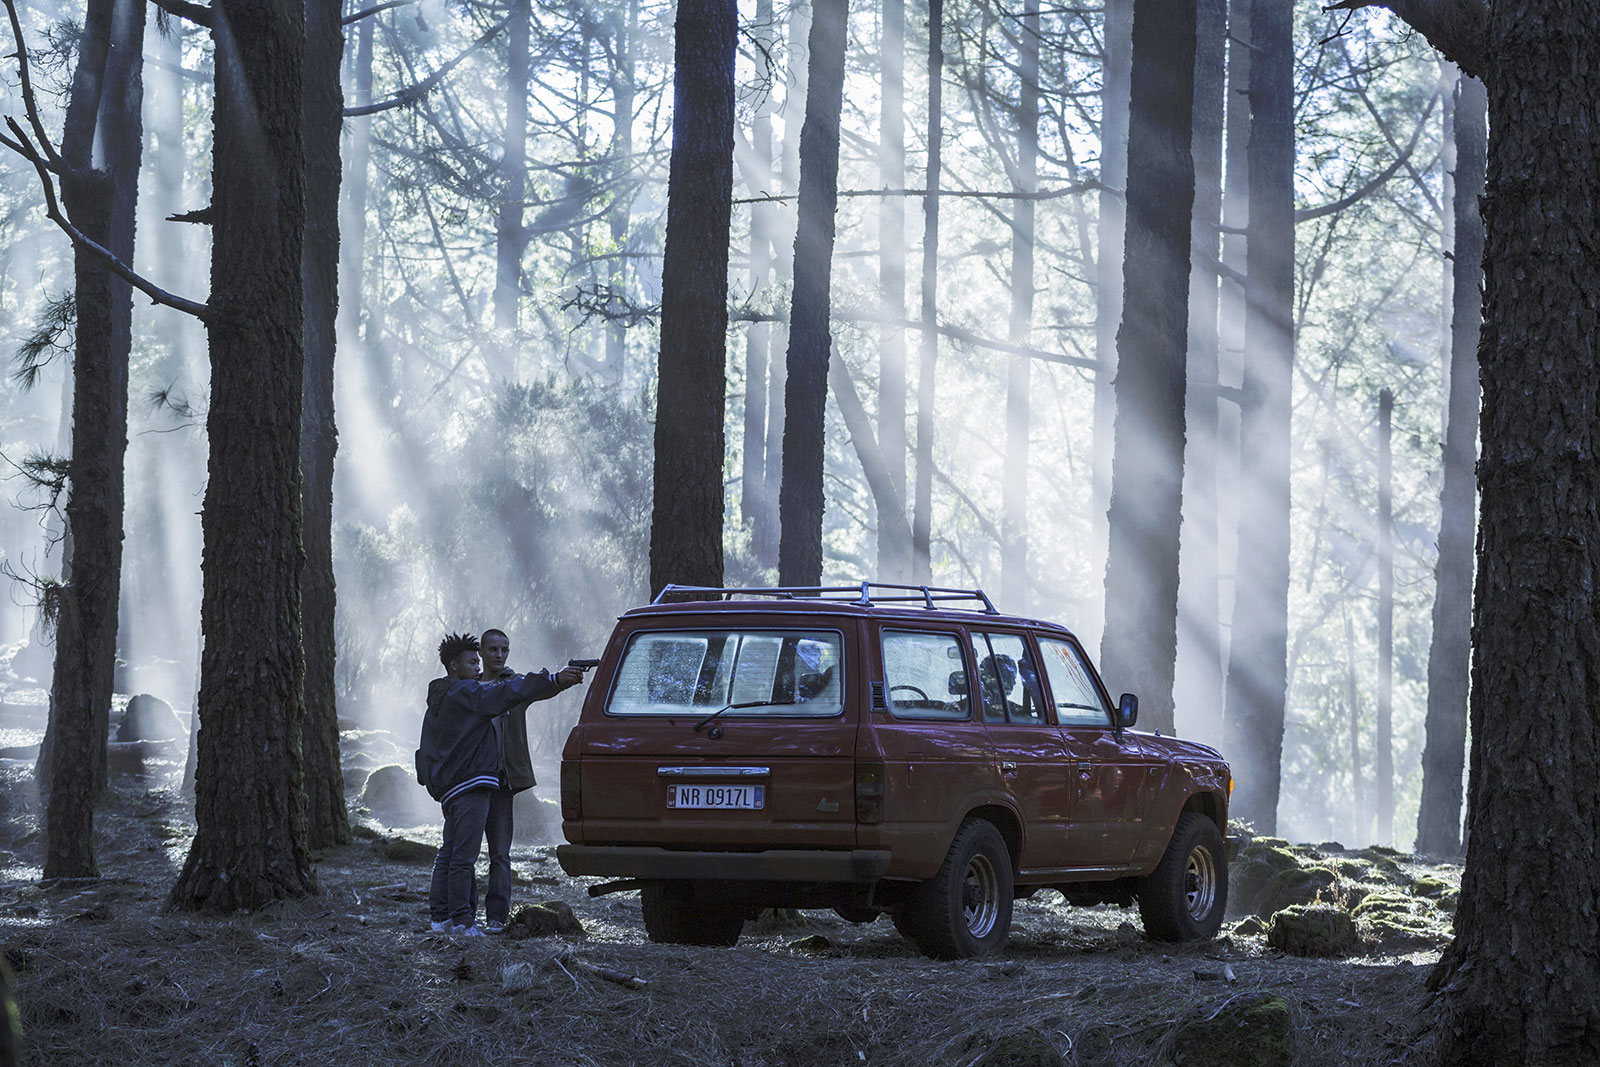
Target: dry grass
351, 976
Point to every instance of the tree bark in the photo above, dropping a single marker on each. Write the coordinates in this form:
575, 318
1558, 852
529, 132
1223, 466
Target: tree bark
104, 113
1383, 742
800, 500
1014, 486
686, 521
1139, 647
894, 553
758, 335
625, 32
1199, 611
510, 236
1118, 35
922, 507
250, 837
328, 824
1257, 682
1450, 654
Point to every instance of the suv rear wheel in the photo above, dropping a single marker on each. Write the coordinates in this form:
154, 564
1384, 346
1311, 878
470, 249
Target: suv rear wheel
672, 917
1184, 898
965, 909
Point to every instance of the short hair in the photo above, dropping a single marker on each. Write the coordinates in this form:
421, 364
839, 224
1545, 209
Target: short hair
485, 635
455, 644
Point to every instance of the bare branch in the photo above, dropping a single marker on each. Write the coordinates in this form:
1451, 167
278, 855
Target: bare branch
1457, 28
23, 147
376, 9
416, 92
1010, 194
1377, 181
53, 161
198, 14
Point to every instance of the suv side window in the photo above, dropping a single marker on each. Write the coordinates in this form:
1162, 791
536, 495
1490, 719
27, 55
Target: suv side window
1007, 679
925, 676
1078, 700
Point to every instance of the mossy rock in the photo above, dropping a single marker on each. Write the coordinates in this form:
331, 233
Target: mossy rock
1246, 880
545, 919
395, 799
1331, 846
150, 718
1274, 856
1313, 930
1383, 852
1028, 1047
1302, 885
534, 819
1273, 842
1449, 901
1383, 903
1254, 1032
1250, 927
1429, 886
404, 850
1394, 919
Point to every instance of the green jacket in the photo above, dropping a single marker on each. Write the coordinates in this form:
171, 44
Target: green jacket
515, 761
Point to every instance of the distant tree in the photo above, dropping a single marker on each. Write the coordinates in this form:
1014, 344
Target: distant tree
99, 171
686, 524
1139, 647
328, 822
1521, 987
1450, 654
758, 334
1383, 742
1257, 684
894, 553
510, 236
800, 500
922, 505
250, 843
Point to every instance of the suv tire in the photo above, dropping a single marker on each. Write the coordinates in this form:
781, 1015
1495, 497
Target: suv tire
1185, 897
965, 909
671, 917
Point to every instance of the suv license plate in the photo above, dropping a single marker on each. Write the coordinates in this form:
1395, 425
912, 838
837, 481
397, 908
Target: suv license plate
752, 797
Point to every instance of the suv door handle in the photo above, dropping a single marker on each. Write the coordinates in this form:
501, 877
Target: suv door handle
1008, 767
1082, 768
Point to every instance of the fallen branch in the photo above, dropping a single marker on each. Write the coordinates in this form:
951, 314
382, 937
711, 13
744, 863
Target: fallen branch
622, 978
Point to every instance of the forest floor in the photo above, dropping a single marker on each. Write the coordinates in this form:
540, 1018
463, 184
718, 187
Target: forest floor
352, 975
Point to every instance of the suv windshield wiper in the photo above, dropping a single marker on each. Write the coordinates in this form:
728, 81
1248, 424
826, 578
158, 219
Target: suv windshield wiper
730, 707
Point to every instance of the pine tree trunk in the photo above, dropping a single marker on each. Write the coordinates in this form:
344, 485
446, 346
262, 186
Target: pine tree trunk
1257, 682
894, 553
625, 33
758, 335
328, 823
1450, 654
1200, 640
103, 125
353, 187
1383, 742
686, 522
1114, 90
1014, 486
800, 499
1230, 323
510, 237
922, 507
1139, 647
250, 838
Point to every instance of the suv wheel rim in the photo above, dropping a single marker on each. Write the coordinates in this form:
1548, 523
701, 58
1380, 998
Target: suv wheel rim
1200, 883
980, 896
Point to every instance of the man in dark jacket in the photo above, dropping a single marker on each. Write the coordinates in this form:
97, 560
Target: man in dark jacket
459, 762
516, 775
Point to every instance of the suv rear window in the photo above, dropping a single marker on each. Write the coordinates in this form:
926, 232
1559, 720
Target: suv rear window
679, 672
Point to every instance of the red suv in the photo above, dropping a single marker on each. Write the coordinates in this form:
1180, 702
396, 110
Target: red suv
874, 749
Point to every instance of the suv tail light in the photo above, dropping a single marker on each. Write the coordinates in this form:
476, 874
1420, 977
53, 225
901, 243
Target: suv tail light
869, 792
571, 790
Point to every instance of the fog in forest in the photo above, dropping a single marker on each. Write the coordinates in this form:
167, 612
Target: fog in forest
495, 434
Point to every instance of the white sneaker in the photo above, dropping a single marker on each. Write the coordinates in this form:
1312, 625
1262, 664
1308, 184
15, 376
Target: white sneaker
492, 927
467, 931
442, 927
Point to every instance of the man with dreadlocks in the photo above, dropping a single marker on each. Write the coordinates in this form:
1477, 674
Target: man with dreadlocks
459, 762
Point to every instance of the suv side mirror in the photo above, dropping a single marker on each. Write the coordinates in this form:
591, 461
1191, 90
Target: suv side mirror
1127, 711
958, 683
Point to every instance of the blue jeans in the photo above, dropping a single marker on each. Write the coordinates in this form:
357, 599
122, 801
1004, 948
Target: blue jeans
497, 902
453, 895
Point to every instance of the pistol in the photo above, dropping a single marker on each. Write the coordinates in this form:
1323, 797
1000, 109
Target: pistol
583, 664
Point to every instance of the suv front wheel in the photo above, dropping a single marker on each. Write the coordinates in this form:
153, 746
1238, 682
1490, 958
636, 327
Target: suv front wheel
1184, 898
965, 909
672, 917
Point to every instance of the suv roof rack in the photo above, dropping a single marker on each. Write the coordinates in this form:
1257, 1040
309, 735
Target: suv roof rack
862, 593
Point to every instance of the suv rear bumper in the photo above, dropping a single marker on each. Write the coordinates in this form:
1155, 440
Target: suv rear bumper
773, 865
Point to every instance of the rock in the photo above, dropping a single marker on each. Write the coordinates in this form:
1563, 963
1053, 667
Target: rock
544, 920
393, 796
34, 661
1313, 930
816, 943
1028, 1047
1250, 927
1247, 1032
534, 820
1448, 902
150, 718
1278, 857
1429, 886
1246, 880
1395, 920
1330, 846
1302, 885
405, 850
355, 780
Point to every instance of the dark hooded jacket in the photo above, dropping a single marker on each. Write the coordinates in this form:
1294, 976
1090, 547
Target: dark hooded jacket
460, 733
